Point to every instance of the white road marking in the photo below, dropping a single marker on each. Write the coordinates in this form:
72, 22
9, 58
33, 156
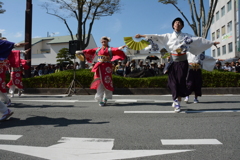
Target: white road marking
53, 100
9, 137
192, 111
213, 111
125, 100
190, 142
163, 101
84, 148
149, 112
44, 95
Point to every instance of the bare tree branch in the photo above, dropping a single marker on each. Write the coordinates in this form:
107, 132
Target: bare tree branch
203, 24
2, 10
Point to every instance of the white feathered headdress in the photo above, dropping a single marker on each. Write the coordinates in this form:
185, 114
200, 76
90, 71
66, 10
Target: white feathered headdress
105, 37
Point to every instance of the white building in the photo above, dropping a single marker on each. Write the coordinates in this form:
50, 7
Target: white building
45, 49
225, 29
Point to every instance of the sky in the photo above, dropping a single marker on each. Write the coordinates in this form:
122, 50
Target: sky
135, 17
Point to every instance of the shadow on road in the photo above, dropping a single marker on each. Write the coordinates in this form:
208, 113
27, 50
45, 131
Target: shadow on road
21, 105
42, 120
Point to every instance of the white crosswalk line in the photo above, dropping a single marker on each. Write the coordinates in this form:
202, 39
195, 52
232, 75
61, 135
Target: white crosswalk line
191, 111
190, 142
53, 100
9, 137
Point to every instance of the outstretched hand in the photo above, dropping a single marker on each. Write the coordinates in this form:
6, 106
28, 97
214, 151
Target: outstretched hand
21, 44
216, 43
79, 52
137, 36
26, 51
122, 47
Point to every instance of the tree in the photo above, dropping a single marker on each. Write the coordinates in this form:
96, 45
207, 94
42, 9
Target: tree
63, 57
1, 10
85, 12
200, 22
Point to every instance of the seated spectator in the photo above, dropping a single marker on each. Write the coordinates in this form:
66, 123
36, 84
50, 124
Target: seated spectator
233, 66
35, 72
152, 68
57, 69
161, 68
45, 70
237, 67
119, 68
147, 64
140, 65
218, 65
133, 65
127, 69
227, 67
51, 69
40, 71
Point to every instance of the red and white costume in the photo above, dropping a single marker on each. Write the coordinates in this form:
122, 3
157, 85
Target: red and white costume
16, 74
3, 69
103, 69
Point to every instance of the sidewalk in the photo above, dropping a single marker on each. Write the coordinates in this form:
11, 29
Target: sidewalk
130, 91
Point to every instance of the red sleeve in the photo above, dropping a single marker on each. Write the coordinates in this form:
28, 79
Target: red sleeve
90, 54
117, 54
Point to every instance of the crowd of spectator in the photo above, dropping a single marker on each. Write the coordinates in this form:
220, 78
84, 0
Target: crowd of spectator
124, 68
119, 68
133, 66
233, 66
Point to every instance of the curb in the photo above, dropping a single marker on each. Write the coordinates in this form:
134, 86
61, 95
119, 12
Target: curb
129, 91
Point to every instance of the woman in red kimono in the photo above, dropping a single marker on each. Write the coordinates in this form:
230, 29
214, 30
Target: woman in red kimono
103, 68
15, 63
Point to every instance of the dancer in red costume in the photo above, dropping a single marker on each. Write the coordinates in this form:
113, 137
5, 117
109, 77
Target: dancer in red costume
15, 64
103, 68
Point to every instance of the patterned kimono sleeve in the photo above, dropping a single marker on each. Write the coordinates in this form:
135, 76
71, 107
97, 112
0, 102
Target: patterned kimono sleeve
156, 41
90, 54
24, 64
117, 54
199, 44
208, 62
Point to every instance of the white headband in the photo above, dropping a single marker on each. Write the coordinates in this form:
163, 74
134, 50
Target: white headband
108, 38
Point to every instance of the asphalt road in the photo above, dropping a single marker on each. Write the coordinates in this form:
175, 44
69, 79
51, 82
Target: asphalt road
134, 127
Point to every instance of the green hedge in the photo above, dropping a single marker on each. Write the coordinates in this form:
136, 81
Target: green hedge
64, 78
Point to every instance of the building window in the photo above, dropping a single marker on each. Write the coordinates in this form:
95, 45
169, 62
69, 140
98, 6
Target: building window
213, 36
218, 52
218, 33
229, 5
223, 11
213, 19
213, 53
229, 26
223, 30
230, 48
217, 15
224, 49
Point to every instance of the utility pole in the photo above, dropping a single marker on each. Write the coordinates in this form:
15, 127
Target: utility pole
28, 35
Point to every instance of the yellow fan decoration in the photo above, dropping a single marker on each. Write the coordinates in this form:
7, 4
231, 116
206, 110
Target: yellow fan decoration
135, 45
80, 56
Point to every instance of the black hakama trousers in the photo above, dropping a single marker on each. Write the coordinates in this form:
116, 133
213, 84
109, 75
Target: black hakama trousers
194, 82
177, 74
